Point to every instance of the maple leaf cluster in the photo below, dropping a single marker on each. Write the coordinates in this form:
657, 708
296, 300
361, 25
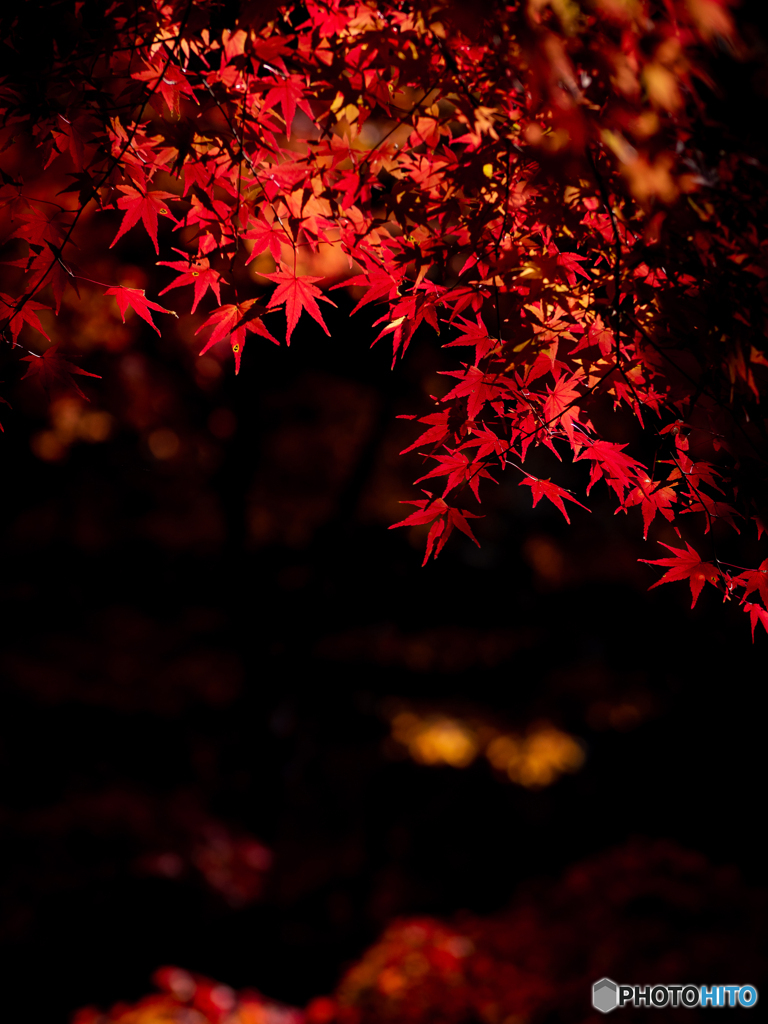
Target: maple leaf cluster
541, 182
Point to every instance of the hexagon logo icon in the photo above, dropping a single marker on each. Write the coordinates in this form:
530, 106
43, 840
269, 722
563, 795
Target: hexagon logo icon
605, 995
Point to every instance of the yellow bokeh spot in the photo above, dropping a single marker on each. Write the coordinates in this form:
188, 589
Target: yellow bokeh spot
71, 421
163, 443
503, 751
537, 759
534, 760
436, 739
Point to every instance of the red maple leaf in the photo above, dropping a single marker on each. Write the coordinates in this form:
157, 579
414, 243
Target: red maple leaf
652, 497
137, 300
16, 318
52, 369
561, 402
611, 463
443, 518
686, 565
234, 320
478, 387
459, 469
297, 293
435, 434
289, 93
701, 502
378, 283
756, 614
197, 273
474, 334
144, 206
598, 335
168, 79
488, 443
329, 19
568, 263
601, 335
546, 489
755, 579
405, 316
197, 173
264, 235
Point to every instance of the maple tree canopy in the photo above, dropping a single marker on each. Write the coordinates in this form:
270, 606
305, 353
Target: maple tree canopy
544, 186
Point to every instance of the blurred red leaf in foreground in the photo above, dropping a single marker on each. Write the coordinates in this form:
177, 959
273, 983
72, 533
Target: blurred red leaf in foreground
645, 912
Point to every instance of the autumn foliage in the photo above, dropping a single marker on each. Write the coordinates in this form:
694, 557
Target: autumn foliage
545, 186
645, 908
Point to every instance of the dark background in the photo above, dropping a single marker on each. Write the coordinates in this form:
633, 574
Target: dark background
223, 629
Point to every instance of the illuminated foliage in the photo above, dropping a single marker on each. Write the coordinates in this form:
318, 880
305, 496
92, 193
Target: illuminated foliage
641, 910
186, 997
541, 184
538, 758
